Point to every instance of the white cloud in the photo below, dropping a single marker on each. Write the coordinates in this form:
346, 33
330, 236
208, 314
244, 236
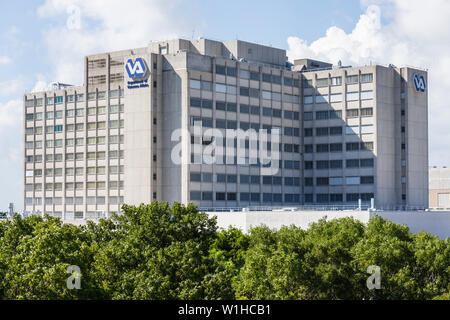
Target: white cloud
10, 114
11, 87
417, 34
41, 84
97, 26
5, 60
11, 137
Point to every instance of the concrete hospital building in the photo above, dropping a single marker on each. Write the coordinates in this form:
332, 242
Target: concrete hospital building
347, 133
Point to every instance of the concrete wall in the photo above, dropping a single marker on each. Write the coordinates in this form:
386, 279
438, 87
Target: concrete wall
417, 141
138, 141
436, 223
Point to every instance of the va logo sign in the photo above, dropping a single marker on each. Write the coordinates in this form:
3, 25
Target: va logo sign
419, 83
137, 69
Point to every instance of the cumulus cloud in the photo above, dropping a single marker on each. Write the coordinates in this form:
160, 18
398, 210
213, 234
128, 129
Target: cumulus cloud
11, 145
11, 87
10, 114
97, 26
5, 60
417, 34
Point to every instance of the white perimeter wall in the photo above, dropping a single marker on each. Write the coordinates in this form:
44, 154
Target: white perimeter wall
436, 223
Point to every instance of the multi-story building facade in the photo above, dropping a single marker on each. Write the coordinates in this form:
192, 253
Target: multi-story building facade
439, 188
129, 133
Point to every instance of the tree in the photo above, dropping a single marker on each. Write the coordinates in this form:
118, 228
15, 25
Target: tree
34, 256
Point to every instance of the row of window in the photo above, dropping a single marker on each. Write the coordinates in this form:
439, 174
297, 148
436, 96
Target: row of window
100, 155
243, 108
337, 97
244, 196
74, 201
74, 142
323, 115
338, 197
250, 75
72, 98
339, 181
80, 171
333, 131
244, 179
337, 147
338, 164
112, 124
337, 81
74, 186
70, 113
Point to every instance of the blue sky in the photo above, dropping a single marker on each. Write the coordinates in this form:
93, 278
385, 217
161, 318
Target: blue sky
38, 45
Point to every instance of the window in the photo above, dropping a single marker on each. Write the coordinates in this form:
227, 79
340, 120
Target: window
366, 95
335, 114
365, 146
322, 148
322, 82
244, 74
307, 116
352, 113
266, 95
352, 79
367, 163
366, 78
336, 81
352, 130
352, 180
231, 196
232, 72
336, 197
254, 110
369, 196
352, 197
322, 197
308, 132
366, 112
336, 164
334, 131
220, 196
367, 129
195, 102
337, 97
307, 100
352, 96
352, 146
367, 180
322, 131
322, 164
307, 83
79, 112
352, 163
335, 147
196, 195
194, 84
321, 115
308, 148
276, 79
321, 98
207, 196
254, 76
309, 182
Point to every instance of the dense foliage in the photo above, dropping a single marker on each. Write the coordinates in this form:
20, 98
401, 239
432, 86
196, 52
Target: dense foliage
160, 252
